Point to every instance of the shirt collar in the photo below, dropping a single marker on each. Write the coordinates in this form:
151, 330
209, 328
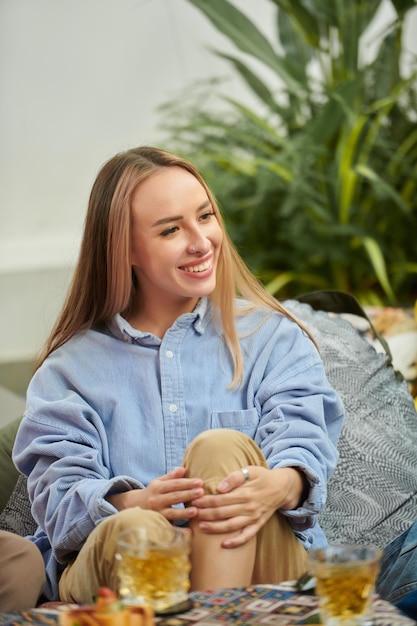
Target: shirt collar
199, 318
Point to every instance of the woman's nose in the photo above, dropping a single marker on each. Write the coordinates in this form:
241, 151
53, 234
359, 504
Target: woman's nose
198, 244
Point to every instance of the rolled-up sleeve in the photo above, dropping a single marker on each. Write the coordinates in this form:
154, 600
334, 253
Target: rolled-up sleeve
61, 446
301, 417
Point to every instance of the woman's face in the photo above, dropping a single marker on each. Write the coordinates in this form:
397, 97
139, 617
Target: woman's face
176, 239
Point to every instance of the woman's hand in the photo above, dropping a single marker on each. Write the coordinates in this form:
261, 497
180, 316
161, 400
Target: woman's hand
161, 494
246, 505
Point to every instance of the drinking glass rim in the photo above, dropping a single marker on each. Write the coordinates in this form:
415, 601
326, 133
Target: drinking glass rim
345, 553
178, 537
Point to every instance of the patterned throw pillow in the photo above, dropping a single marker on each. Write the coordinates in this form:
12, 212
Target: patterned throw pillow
16, 516
372, 495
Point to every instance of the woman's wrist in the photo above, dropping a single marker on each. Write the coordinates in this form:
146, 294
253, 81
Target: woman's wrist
297, 490
124, 499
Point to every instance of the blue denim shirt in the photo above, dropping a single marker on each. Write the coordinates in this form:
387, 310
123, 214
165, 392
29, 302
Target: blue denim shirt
114, 408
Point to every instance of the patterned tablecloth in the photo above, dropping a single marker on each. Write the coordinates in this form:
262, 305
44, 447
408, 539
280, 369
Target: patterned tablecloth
260, 606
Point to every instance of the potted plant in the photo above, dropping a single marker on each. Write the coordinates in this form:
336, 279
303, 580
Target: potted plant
318, 184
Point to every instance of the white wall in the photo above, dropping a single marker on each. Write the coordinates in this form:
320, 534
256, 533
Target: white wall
81, 80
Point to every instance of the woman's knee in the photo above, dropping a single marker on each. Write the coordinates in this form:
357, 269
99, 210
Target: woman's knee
131, 518
34, 560
20, 550
215, 453
220, 440
23, 573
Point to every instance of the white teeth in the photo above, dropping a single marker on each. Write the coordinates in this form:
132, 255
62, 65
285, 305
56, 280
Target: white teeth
198, 268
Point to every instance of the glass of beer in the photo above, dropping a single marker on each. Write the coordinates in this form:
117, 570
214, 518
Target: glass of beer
154, 570
345, 582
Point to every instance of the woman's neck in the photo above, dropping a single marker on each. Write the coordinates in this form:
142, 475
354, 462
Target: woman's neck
157, 320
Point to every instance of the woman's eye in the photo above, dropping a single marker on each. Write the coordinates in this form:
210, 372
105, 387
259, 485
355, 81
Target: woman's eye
206, 216
169, 231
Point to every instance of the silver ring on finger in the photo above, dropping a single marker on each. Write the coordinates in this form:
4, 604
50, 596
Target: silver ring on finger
245, 473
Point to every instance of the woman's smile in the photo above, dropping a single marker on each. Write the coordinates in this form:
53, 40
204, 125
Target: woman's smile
200, 269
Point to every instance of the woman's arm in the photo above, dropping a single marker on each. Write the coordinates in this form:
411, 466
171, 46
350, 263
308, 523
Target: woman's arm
300, 421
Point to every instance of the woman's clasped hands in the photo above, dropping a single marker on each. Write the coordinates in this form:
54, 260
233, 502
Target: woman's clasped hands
242, 506
244, 501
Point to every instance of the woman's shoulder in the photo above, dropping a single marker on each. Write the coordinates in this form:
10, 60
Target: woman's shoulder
82, 348
249, 312
273, 327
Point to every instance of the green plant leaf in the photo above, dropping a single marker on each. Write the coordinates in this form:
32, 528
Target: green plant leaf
409, 143
382, 187
403, 6
253, 81
331, 115
302, 20
295, 48
247, 37
378, 263
280, 281
347, 151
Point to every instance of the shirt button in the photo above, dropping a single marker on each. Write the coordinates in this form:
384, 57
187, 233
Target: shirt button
169, 354
173, 408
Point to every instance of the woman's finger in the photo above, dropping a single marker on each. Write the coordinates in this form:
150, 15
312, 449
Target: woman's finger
179, 514
247, 533
158, 501
224, 526
238, 478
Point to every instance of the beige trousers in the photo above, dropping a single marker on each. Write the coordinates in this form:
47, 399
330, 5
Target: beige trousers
22, 573
211, 456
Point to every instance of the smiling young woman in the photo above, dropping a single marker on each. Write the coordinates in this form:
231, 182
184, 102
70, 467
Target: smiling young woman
173, 390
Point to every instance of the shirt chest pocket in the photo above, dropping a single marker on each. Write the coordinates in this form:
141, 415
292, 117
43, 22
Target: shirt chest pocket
245, 421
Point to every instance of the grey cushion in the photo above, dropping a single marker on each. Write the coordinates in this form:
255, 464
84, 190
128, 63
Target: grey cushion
16, 516
372, 495
8, 472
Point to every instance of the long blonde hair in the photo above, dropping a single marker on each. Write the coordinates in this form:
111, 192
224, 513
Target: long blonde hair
103, 283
